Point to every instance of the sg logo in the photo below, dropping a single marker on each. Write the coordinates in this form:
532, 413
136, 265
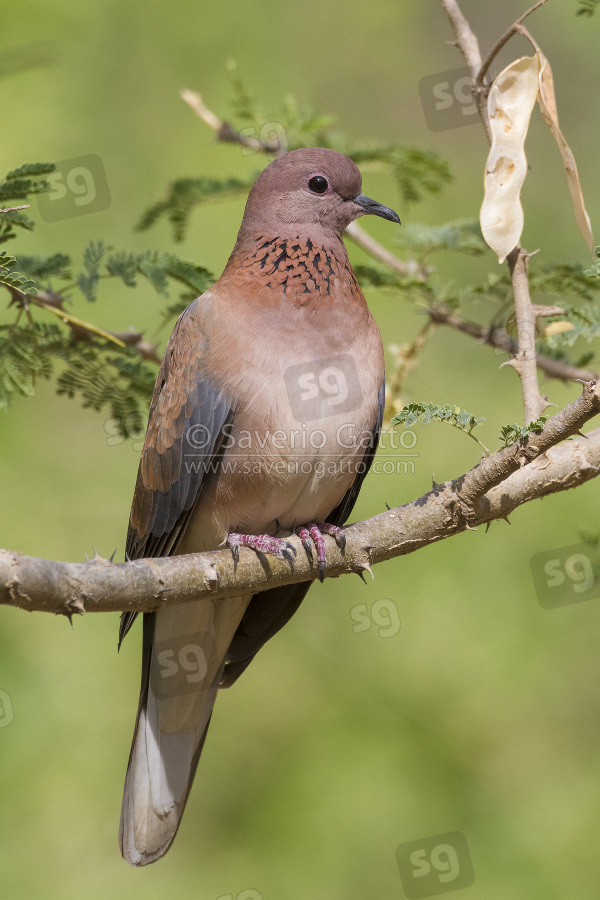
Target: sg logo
182, 664
249, 894
435, 865
114, 437
384, 614
77, 186
568, 575
7, 712
323, 387
270, 134
447, 99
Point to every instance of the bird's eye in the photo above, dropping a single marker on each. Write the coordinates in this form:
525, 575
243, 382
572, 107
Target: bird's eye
318, 184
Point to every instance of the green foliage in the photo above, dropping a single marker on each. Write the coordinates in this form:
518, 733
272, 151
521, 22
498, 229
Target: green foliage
243, 106
88, 281
15, 188
462, 235
184, 195
103, 374
120, 384
25, 354
416, 172
587, 7
13, 279
594, 270
21, 182
377, 277
45, 266
430, 412
511, 433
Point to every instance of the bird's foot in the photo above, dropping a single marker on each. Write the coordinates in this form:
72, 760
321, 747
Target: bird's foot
264, 543
316, 530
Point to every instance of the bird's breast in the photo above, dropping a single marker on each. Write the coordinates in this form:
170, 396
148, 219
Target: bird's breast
305, 385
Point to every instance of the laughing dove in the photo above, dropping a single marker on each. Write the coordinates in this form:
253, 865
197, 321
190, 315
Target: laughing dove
264, 420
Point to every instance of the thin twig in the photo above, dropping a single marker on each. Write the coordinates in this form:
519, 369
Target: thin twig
52, 302
501, 340
224, 131
412, 269
15, 208
514, 29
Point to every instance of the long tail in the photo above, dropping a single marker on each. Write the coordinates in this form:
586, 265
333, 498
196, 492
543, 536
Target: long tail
184, 654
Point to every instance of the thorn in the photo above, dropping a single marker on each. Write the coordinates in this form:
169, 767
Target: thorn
361, 576
387, 505
127, 557
470, 527
112, 555
77, 607
581, 434
487, 527
365, 567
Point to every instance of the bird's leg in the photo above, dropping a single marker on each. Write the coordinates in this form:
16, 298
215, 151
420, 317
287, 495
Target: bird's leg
316, 530
264, 543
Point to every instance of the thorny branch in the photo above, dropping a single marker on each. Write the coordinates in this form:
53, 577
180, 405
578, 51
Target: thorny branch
491, 490
524, 362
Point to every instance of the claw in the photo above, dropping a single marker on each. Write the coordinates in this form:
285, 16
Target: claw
289, 553
304, 536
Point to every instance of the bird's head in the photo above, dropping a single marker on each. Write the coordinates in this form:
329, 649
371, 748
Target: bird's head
307, 188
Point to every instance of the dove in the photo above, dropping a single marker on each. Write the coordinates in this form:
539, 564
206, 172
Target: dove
264, 421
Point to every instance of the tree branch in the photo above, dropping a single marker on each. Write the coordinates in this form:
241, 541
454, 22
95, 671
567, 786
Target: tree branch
497, 337
524, 362
468, 45
491, 490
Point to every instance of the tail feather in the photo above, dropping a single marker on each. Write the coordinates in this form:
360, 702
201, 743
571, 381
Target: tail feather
184, 655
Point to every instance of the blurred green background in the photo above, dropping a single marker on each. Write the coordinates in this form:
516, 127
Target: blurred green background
482, 713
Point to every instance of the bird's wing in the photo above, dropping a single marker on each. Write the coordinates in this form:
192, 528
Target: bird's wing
182, 447
184, 646
269, 610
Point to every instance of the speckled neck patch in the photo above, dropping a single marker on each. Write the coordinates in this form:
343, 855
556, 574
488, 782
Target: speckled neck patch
298, 266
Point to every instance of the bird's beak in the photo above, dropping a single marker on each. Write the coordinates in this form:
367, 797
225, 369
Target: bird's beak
373, 208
